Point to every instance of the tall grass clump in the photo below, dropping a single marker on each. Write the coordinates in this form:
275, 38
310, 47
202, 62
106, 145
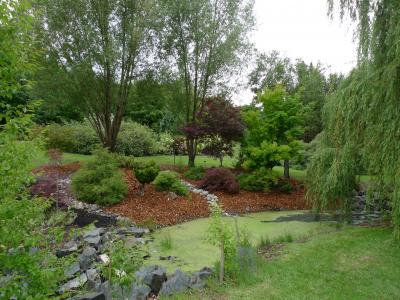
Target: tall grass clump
166, 242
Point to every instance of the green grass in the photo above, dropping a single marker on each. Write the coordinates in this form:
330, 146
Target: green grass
190, 245
43, 159
352, 263
180, 160
296, 174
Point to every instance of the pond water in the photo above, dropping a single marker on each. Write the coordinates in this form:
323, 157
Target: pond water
190, 250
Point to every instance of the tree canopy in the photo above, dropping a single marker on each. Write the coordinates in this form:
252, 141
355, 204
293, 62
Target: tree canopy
273, 129
99, 45
206, 41
308, 81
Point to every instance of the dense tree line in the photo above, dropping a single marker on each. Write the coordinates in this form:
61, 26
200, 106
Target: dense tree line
156, 63
311, 83
152, 61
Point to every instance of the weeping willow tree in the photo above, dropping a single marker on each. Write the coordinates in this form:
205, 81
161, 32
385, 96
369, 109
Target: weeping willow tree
362, 120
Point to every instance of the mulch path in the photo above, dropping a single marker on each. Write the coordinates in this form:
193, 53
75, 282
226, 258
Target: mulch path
47, 177
65, 169
159, 208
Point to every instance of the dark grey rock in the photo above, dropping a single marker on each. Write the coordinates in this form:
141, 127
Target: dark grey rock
87, 257
138, 231
72, 270
139, 292
85, 215
152, 276
105, 289
68, 248
90, 296
177, 282
93, 240
93, 279
94, 232
73, 284
199, 279
113, 292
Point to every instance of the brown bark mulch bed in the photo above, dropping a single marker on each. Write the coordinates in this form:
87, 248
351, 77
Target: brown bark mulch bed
161, 209
246, 201
158, 207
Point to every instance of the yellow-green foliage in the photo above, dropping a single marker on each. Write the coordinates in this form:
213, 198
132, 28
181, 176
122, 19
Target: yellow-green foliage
273, 130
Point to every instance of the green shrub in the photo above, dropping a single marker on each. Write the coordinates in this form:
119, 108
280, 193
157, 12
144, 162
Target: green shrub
72, 137
267, 155
100, 181
258, 180
125, 161
123, 258
59, 137
169, 181
24, 221
195, 173
285, 186
136, 140
164, 143
146, 173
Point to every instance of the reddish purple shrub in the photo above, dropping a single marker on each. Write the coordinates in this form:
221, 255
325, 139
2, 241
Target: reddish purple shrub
219, 179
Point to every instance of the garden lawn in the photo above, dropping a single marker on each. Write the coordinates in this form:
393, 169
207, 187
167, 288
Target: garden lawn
180, 161
189, 242
42, 159
352, 263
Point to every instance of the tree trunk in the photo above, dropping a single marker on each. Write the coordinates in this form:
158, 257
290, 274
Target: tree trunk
141, 190
286, 168
220, 161
191, 149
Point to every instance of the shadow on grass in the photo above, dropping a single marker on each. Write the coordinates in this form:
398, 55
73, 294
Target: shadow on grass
307, 217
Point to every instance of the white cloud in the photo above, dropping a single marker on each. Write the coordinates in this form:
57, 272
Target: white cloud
302, 29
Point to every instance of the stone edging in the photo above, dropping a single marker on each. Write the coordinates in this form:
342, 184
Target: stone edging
205, 194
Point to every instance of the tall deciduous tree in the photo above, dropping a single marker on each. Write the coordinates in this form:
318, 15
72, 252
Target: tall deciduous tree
273, 129
207, 41
99, 45
307, 80
270, 70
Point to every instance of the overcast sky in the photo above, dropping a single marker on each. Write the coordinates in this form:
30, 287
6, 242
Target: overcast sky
302, 29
